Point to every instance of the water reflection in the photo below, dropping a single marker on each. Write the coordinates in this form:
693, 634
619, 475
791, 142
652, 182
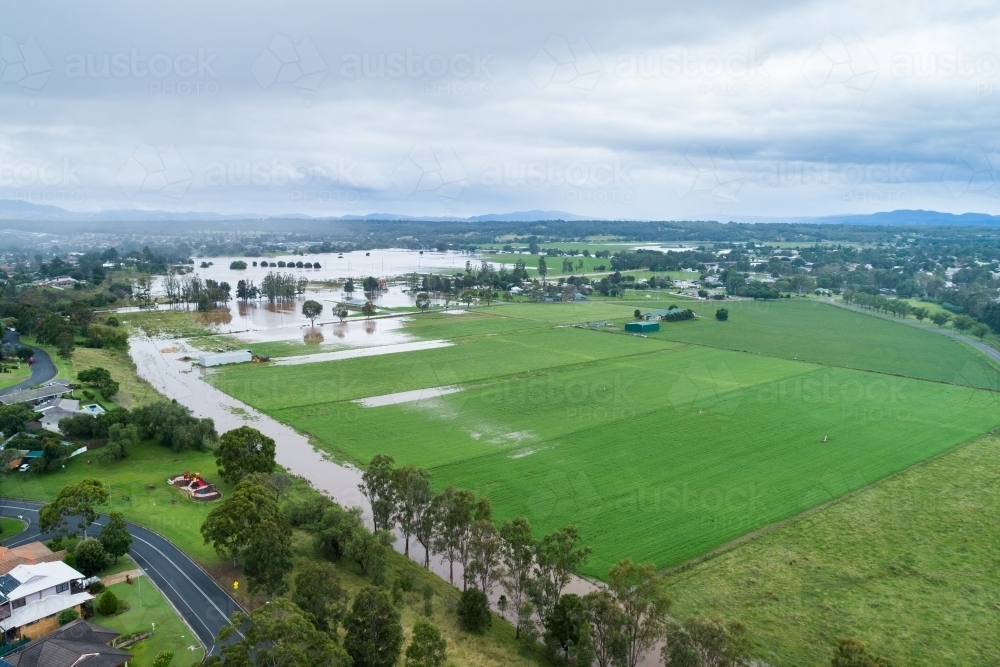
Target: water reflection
312, 337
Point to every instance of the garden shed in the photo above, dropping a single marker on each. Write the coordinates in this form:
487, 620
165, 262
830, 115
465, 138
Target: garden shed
642, 327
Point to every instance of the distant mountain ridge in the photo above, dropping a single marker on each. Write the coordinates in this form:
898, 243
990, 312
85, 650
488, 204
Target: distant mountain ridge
11, 209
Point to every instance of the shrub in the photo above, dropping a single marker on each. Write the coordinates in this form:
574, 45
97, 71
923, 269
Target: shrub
67, 616
70, 560
163, 659
474, 611
427, 648
90, 557
722, 314
238, 264
315, 265
108, 603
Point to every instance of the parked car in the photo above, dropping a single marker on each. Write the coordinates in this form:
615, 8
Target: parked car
24, 467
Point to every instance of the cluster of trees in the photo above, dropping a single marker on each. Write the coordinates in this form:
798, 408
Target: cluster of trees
99, 378
168, 421
277, 287
181, 288
61, 328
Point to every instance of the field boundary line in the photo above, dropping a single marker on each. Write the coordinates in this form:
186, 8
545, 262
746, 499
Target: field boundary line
777, 525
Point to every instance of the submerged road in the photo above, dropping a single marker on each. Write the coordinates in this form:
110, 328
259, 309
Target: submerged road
42, 370
203, 603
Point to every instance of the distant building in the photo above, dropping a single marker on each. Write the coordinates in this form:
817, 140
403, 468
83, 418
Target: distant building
223, 358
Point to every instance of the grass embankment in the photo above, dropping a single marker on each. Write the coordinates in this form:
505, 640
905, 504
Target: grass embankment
907, 565
147, 607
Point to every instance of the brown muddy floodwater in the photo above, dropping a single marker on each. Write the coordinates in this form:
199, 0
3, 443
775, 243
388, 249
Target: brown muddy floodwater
158, 361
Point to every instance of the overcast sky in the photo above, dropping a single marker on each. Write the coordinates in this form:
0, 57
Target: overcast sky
643, 110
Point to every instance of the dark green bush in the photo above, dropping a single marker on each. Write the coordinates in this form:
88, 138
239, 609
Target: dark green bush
474, 611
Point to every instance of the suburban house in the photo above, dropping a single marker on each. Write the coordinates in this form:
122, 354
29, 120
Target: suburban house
58, 408
76, 644
36, 396
31, 553
654, 315
32, 595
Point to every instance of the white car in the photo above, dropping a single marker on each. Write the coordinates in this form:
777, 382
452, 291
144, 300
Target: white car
24, 467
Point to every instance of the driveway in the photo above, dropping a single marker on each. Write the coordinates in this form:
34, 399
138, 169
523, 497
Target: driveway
42, 370
196, 596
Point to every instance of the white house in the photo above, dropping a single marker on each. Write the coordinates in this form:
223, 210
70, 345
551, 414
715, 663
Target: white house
31, 597
222, 358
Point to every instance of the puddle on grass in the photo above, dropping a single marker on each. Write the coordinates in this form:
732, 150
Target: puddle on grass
361, 352
406, 396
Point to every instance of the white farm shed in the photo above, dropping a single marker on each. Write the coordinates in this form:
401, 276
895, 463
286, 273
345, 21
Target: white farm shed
222, 358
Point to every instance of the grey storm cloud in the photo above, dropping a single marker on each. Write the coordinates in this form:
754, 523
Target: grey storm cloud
641, 111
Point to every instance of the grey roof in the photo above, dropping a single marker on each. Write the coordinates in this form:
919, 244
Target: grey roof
54, 389
68, 645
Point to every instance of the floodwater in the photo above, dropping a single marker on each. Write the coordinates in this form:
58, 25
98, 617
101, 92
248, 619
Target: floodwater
386, 263
361, 352
406, 396
159, 363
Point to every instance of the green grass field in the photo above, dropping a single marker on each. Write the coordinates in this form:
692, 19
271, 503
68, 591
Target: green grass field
908, 566
658, 448
814, 331
148, 463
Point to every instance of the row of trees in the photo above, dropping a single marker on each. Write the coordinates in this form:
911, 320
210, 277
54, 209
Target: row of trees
900, 308
169, 422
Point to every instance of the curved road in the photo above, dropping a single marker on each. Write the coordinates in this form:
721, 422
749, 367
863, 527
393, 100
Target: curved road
203, 603
42, 370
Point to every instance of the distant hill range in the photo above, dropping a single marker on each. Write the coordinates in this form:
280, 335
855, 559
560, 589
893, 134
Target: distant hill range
11, 209
885, 218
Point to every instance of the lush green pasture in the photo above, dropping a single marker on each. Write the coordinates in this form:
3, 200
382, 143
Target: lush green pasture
515, 414
673, 483
821, 333
469, 360
908, 566
658, 448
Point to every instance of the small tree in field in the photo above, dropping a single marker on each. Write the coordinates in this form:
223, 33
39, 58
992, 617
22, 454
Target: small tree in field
368, 309
311, 310
423, 301
722, 314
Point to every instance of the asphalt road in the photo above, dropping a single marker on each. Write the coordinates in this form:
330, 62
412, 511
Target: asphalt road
194, 594
42, 370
